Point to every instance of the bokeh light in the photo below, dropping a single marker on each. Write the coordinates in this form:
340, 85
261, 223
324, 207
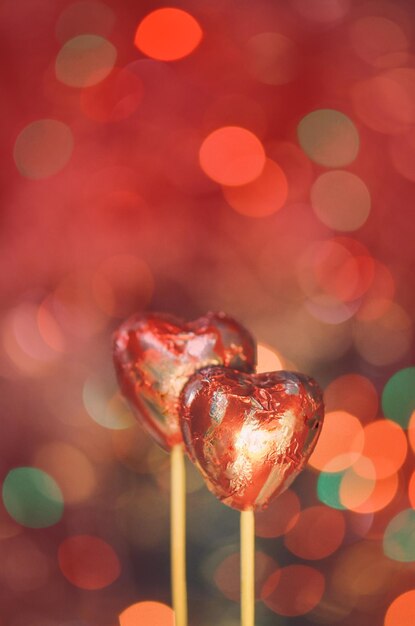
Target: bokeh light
232, 156
328, 489
341, 200
386, 447
340, 267
369, 495
49, 328
85, 60
88, 562
106, 407
32, 497
357, 484
379, 297
333, 453
401, 611
168, 34
386, 102
329, 138
350, 490
43, 148
293, 590
263, 196
317, 533
8, 527
354, 394
398, 397
71, 468
398, 541
23, 341
268, 359
154, 613
375, 39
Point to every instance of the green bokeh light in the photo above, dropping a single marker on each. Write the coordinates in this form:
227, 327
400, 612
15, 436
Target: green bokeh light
398, 398
399, 538
328, 487
32, 497
329, 138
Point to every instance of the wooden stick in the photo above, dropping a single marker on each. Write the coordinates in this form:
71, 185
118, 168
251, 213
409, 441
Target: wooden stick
247, 568
178, 535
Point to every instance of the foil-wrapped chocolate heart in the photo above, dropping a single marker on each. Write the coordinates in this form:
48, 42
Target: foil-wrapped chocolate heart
250, 435
155, 354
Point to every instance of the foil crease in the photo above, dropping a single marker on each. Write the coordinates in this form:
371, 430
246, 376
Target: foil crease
155, 354
250, 435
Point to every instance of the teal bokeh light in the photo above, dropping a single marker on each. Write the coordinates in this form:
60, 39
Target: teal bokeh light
32, 497
328, 488
398, 398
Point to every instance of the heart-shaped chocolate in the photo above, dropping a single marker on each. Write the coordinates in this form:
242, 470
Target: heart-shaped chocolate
155, 354
250, 435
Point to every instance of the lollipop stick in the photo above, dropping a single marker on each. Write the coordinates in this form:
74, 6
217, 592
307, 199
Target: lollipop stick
178, 535
247, 568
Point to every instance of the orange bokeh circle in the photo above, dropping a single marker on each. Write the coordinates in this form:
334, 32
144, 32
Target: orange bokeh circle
340, 443
147, 613
263, 196
402, 610
232, 155
386, 447
380, 493
168, 34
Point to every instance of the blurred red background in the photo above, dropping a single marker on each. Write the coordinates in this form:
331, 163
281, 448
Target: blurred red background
252, 157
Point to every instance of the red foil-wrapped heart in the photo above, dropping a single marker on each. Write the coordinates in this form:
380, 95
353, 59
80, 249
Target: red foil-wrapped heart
155, 354
250, 435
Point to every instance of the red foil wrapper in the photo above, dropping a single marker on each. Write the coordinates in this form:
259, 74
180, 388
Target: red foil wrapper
250, 435
155, 355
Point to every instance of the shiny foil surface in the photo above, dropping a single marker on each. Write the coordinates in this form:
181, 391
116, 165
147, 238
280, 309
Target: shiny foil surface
250, 435
155, 354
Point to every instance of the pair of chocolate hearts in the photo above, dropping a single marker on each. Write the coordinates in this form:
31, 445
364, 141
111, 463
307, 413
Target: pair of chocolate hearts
249, 434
